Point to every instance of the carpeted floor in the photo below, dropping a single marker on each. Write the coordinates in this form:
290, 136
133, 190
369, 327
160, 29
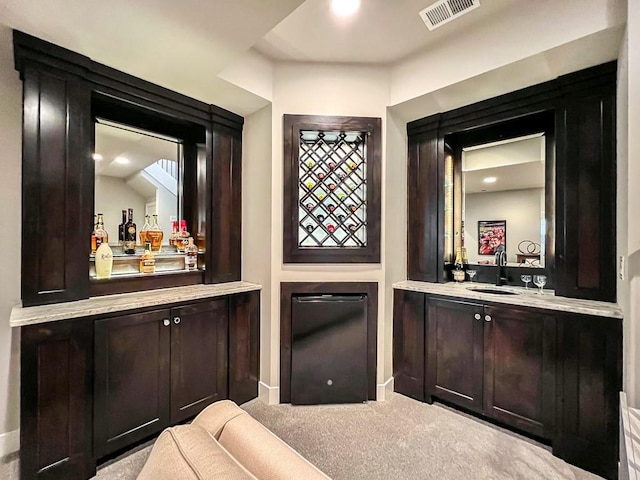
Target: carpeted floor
398, 439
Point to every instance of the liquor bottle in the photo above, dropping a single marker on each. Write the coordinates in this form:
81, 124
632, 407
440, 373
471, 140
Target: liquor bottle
99, 235
145, 229
174, 233
93, 234
191, 255
121, 229
154, 235
104, 261
201, 238
130, 235
183, 236
147, 260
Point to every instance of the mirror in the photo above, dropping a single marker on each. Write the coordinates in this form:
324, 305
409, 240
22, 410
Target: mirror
139, 170
503, 201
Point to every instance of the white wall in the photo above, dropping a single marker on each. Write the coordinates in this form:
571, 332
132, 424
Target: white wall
256, 226
517, 207
323, 90
10, 219
112, 195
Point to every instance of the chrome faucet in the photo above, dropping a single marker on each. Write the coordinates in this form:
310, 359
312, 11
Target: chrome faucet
501, 263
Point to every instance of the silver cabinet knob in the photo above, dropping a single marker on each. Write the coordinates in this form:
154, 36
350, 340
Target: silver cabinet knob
487, 318
176, 320
477, 316
166, 322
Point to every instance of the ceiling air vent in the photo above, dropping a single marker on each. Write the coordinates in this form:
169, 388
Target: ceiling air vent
446, 10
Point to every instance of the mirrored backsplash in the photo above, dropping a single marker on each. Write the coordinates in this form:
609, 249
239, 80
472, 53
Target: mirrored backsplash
503, 201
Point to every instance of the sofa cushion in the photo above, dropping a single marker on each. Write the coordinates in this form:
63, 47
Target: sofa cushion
215, 416
263, 454
189, 452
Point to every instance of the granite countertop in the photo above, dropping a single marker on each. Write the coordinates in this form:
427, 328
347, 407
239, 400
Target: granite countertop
22, 316
525, 298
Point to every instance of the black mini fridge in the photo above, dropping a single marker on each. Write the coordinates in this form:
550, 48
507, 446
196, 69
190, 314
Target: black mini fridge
328, 349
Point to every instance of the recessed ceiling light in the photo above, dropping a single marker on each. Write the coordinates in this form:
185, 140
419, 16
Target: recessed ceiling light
97, 157
122, 160
344, 8
489, 180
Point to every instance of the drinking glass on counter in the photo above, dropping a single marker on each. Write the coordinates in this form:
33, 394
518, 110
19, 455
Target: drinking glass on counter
540, 281
471, 273
526, 279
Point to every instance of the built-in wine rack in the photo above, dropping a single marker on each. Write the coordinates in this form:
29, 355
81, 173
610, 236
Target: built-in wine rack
332, 189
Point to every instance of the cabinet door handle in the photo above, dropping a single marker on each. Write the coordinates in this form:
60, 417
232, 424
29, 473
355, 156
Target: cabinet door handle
176, 320
166, 322
477, 316
487, 318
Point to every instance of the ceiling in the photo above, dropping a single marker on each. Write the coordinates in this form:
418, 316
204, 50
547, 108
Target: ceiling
190, 46
383, 31
516, 165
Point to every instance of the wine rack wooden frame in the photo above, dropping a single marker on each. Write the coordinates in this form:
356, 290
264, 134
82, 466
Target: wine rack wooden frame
331, 189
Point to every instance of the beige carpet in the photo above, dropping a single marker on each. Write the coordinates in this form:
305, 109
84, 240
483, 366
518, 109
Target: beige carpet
394, 440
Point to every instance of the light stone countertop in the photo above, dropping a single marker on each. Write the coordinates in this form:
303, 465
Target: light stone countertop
22, 316
525, 298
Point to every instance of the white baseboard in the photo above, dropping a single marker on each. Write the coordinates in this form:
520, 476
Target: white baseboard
269, 395
9, 442
383, 388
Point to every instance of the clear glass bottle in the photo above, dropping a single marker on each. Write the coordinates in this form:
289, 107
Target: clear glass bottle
147, 260
174, 233
99, 235
154, 235
191, 255
143, 232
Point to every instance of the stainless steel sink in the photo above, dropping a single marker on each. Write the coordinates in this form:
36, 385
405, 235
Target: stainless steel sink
495, 291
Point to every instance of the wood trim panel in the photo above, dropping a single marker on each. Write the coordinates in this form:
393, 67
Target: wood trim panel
287, 290
409, 343
56, 409
244, 346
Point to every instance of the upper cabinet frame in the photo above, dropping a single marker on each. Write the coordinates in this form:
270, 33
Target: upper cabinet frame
332, 184
59, 89
583, 105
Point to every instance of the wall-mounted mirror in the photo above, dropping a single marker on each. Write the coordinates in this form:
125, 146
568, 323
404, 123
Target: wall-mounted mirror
499, 193
503, 201
139, 170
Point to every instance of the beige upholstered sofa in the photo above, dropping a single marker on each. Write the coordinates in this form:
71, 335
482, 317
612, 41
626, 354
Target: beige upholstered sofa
225, 443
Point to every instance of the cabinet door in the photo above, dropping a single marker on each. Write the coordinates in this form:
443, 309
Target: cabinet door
519, 369
454, 352
131, 379
198, 357
408, 343
55, 409
591, 379
244, 346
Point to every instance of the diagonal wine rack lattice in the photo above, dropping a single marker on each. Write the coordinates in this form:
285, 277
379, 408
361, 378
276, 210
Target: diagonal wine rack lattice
332, 189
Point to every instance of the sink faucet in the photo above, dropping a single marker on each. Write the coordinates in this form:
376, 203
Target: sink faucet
501, 263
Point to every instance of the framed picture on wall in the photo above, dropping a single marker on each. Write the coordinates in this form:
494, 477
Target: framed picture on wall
491, 234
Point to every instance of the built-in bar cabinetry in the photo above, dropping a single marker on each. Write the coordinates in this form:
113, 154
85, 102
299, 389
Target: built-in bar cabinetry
120, 370
65, 96
546, 370
576, 114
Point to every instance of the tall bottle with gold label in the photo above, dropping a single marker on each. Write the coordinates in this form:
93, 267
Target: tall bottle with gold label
147, 260
130, 233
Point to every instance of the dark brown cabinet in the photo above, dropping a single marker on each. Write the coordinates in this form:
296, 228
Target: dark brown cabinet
131, 395
520, 368
156, 368
56, 401
93, 386
554, 375
408, 343
591, 366
454, 359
